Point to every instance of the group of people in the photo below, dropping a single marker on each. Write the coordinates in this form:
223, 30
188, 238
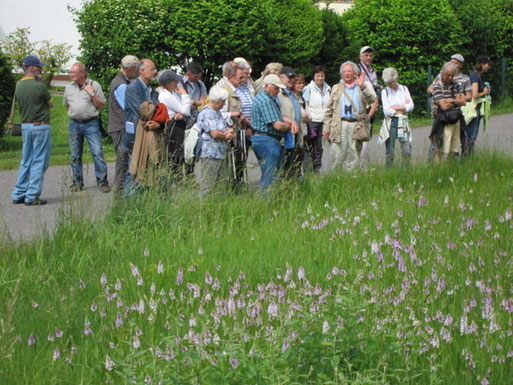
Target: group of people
287, 123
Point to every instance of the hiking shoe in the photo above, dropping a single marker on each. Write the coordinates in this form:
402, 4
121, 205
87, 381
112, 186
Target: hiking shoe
18, 201
75, 187
105, 188
36, 202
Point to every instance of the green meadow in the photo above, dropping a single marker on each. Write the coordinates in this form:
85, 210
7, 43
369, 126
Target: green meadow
385, 277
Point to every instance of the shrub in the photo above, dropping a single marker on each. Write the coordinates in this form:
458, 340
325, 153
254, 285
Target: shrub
7, 85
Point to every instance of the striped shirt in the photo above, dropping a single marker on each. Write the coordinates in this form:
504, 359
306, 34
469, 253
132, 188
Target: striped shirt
244, 94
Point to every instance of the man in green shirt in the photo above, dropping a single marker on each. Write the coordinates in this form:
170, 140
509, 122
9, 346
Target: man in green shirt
35, 102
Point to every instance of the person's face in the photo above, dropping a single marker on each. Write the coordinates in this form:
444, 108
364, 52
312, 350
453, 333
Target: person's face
298, 86
76, 74
149, 71
348, 74
319, 78
272, 90
171, 86
131, 73
458, 63
288, 81
487, 67
393, 85
218, 105
448, 75
236, 79
193, 78
245, 75
367, 57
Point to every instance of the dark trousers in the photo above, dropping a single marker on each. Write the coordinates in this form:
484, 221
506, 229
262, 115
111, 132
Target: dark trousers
121, 161
174, 136
314, 144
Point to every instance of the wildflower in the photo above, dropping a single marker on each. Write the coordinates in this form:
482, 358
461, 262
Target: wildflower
272, 310
94, 307
87, 328
301, 273
475, 177
325, 327
31, 340
58, 333
147, 379
140, 281
200, 251
119, 320
285, 346
109, 364
135, 270
35, 304
103, 279
160, 267
146, 252
216, 285
234, 363
208, 278
179, 276
136, 343
56, 354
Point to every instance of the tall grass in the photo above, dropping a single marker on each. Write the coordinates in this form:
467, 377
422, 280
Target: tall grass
398, 277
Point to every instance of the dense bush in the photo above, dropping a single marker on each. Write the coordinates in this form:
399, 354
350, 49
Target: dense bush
6, 90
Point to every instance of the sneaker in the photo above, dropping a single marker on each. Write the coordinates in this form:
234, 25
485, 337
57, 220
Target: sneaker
105, 188
36, 202
18, 201
75, 187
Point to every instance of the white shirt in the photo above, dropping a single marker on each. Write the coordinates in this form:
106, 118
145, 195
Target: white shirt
175, 103
401, 97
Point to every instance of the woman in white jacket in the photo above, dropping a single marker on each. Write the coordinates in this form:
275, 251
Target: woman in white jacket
397, 103
316, 95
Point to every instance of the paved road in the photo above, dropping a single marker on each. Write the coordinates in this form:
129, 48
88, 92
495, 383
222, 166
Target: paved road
19, 222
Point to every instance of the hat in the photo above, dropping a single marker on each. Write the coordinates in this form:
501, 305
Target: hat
129, 61
289, 71
366, 48
458, 57
274, 80
168, 76
32, 61
483, 59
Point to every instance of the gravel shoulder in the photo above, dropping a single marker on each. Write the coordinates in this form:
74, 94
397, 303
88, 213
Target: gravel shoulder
19, 222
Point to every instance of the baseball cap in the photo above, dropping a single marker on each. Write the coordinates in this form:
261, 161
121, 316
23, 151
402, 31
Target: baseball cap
274, 80
168, 76
458, 57
32, 61
289, 71
482, 59
129, 61
365, 49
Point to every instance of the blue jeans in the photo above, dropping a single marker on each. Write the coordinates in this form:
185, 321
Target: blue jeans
91, 132
472, 131
270, 155
35, 157
390, 146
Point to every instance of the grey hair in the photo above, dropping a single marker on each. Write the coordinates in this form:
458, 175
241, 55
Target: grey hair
230, 69
81, 66
140, 66
218, 93
449, 65
356, 70
243, 65
390, 75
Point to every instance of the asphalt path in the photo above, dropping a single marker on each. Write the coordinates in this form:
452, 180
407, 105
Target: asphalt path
19, 222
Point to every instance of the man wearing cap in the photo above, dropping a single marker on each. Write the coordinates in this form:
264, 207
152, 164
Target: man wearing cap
463, 84
178, 104
125, 76
84, 99
34, 102
269, 127
290, 108
371, 75
194, 86
136, 93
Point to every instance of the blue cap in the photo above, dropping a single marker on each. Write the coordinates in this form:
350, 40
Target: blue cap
32, 61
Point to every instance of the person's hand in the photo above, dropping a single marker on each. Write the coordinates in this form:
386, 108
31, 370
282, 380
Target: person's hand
179, 116
294, 128
249, 132
326, 134
235, 114
151, 125
446, 104
361, 79
89, 89
229, 134
242, 118
486, 90
181, 90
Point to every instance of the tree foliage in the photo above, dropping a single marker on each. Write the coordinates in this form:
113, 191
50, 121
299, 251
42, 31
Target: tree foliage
6, 90
408, 36
17, 46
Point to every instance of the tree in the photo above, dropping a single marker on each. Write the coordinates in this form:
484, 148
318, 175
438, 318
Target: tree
174, 32
408, 36
6, 90
17, 46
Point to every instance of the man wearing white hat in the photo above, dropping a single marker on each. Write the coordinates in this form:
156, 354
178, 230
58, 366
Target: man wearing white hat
269, 128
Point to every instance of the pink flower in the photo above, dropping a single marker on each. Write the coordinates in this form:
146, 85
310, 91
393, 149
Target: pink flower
301, 273
179, 276
31, 340
234, 363
56, 354
109, 364
160, 267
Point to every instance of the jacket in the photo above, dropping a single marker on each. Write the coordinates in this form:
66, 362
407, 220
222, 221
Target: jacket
332, 118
